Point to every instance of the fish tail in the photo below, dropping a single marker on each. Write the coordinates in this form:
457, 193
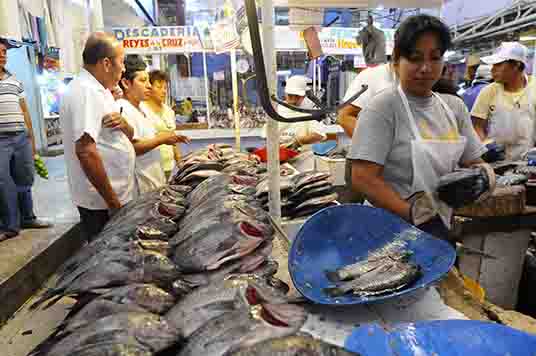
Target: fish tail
333, 276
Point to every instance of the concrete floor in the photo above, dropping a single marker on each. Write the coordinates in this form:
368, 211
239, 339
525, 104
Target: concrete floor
51, 202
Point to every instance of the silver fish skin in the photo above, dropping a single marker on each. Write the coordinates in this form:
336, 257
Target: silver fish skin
141, 332
205, 303
299, 344
390, 277
243, 328
395, 250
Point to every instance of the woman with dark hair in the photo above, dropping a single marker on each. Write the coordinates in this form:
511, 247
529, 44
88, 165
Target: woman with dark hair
409, 136
136, 87
162, 117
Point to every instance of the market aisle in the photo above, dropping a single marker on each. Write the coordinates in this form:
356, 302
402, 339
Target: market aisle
52, 199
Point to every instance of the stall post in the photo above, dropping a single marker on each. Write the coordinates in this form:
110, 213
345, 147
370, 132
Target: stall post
207, 94
236, 114
272, 126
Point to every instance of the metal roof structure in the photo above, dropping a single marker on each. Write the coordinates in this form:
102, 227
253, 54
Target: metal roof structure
487, 32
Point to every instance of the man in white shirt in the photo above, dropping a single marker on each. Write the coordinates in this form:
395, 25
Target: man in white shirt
98, 152
377, 78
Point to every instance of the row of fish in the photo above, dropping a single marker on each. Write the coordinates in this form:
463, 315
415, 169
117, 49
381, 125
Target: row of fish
302, 194
249, 118
184, 270
384, 270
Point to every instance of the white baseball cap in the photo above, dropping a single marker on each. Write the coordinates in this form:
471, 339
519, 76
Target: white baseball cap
296, 85
483, 72
508, 51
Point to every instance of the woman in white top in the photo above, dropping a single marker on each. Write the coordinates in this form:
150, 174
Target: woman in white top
163, 118
136, 86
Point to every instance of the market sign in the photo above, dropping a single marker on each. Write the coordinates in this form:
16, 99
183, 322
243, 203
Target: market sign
224, 36
159, 40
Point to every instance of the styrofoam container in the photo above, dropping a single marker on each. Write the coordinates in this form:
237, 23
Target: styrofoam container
335, 166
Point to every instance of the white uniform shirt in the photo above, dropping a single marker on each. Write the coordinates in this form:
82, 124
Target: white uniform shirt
149, 171
377, 78
83, 106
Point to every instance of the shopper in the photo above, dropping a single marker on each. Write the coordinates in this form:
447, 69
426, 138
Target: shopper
408, 136
482, 79
162, 117
17, 152
303, 134
99, 155
504, 111
136, 88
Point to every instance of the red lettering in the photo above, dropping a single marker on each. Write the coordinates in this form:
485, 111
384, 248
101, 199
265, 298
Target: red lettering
145, 43
126, 43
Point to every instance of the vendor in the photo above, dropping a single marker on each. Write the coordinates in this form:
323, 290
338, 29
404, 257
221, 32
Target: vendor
300, 135
409, 137
504, 111
136, 88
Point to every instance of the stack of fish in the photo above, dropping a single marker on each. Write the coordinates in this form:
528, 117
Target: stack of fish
181, 271
249, 118
301, 194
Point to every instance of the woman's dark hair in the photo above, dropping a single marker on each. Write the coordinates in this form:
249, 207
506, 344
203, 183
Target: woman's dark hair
412, 28
158, 76
133, 64
519, 65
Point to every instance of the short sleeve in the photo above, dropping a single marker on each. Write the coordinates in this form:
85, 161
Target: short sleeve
355, 87
483, 102
88, 108
374, 139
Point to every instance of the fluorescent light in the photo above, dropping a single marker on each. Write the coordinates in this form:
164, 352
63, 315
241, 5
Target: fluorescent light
527, 38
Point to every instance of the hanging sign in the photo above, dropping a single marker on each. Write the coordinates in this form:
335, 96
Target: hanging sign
224, 36
159, 40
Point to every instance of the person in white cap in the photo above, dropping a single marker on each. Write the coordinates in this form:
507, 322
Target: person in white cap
302, 134
504, 111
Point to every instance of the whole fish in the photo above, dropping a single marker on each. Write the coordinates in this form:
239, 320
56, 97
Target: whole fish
389, 277
207, 188
132, 333
307, 178
215, 244
312, 193
318, 201
244, 328
394, 250
292, 345
263, 186
256, 263
199, 175
205, 303
216, 166
307, 187
139, 267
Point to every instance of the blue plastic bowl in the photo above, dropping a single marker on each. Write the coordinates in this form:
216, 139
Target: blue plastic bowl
340, 235
441, 337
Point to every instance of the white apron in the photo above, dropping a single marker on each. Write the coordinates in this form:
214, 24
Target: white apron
432, 159
513, 127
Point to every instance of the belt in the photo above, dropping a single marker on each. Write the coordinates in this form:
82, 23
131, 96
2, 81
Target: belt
11, 133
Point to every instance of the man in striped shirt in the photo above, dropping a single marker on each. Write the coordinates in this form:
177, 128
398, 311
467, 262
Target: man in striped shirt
17, 151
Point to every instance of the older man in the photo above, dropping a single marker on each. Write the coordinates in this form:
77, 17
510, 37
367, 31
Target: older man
504, 111
98, 152
17, 152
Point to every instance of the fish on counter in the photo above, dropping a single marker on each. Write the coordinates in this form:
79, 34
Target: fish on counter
293, 345
131, 333
244, 328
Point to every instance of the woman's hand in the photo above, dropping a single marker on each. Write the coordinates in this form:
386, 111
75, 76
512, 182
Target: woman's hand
170, 138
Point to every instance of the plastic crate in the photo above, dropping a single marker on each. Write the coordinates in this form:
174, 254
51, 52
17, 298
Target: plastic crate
335, 166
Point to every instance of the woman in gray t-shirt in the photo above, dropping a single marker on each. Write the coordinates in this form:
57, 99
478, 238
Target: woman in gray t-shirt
408, 136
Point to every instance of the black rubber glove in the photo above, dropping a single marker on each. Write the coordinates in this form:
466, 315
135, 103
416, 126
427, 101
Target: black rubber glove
495, 153
466, 186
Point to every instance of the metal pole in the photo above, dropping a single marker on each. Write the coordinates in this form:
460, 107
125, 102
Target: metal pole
205, 73
236, 116
272, 127
314, 76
